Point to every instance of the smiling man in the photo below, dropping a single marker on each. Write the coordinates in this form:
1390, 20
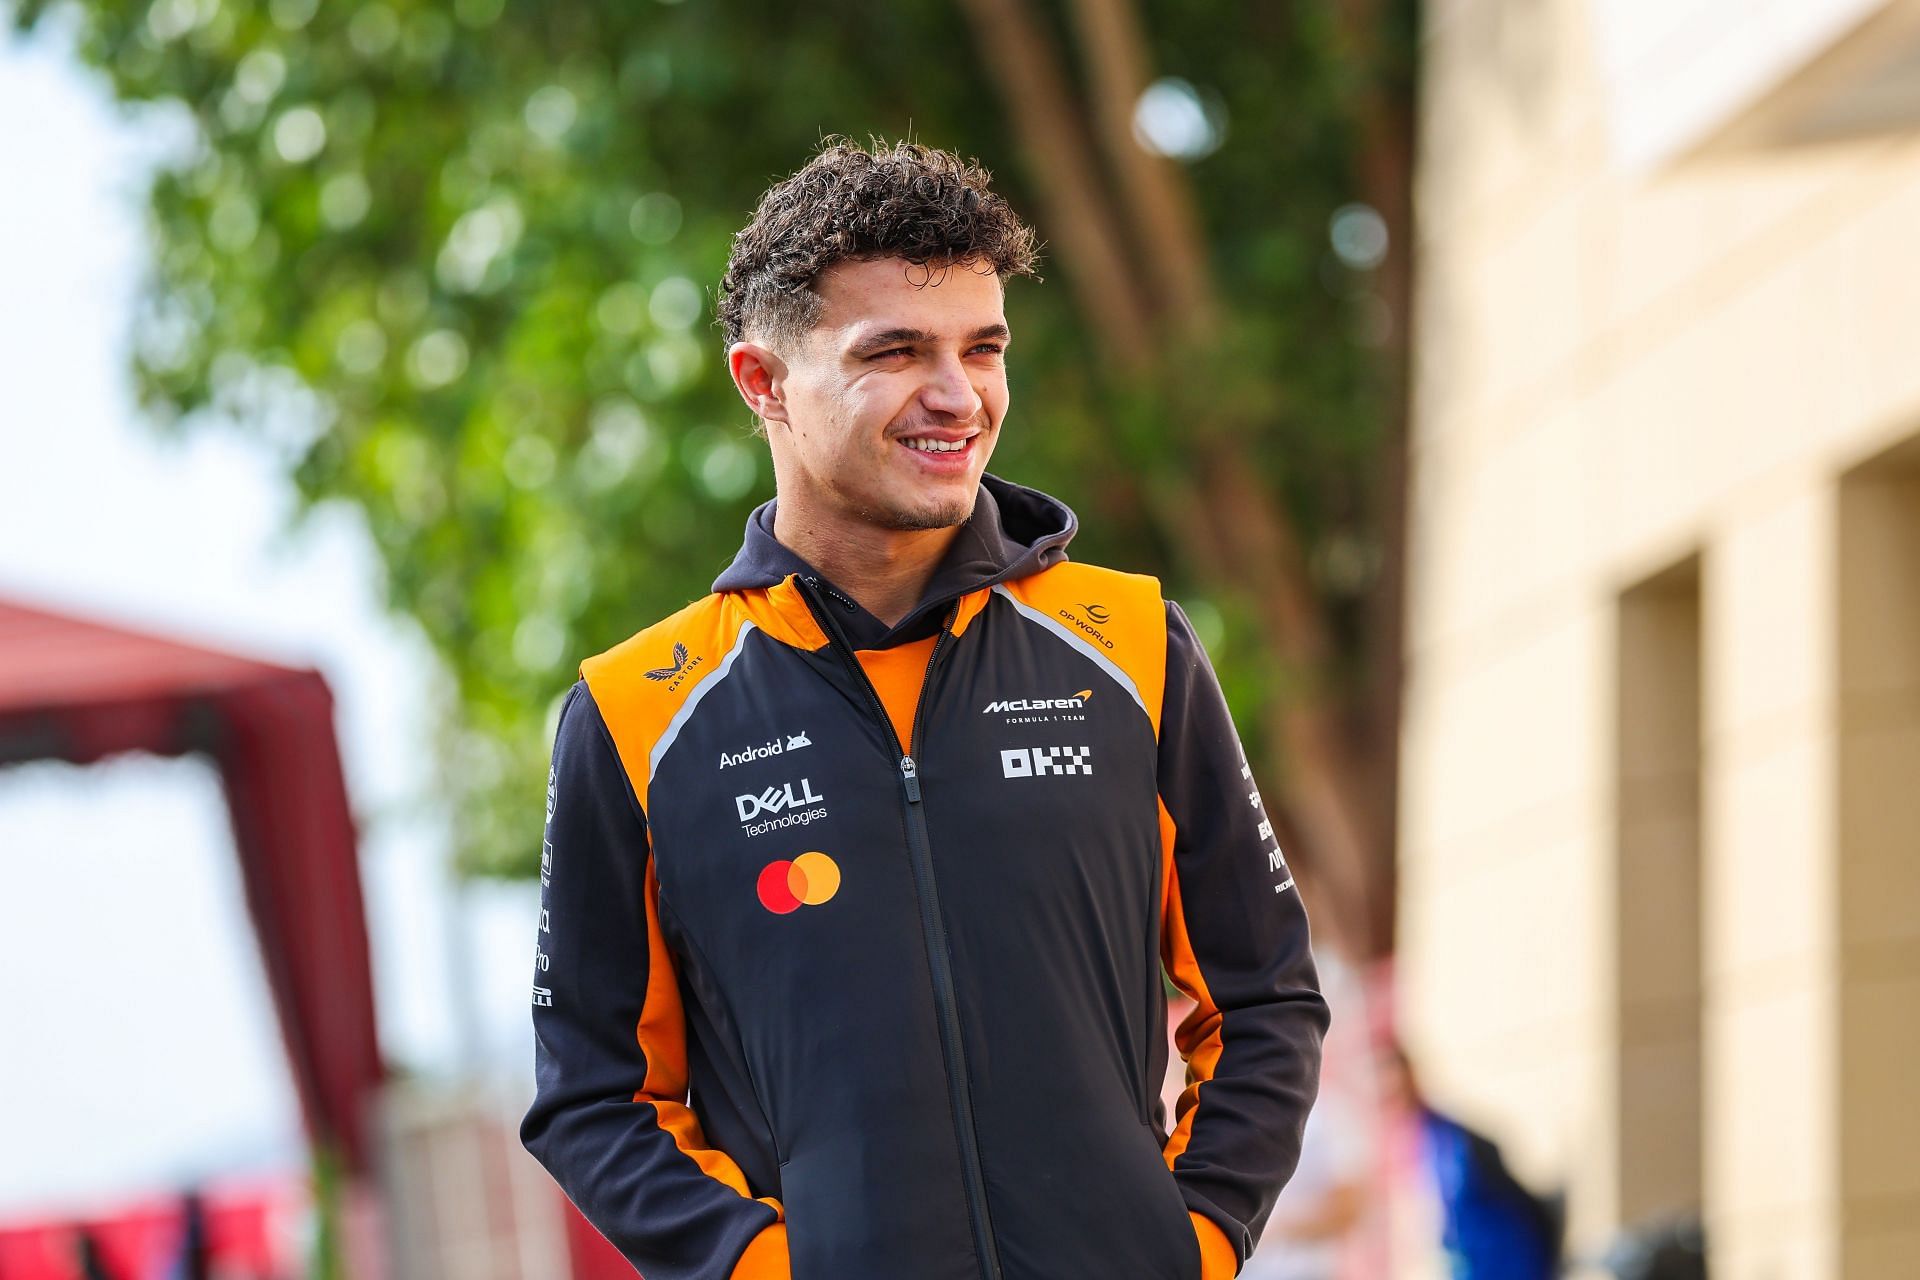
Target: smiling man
861, 872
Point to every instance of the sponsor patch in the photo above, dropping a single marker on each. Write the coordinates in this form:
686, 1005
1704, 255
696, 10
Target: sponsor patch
786, 885
1039, 710
676, 673
793, 805
1089, 621
776, 746
1042, 762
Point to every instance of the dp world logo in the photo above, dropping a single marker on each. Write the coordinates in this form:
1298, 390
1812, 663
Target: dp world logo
806, 881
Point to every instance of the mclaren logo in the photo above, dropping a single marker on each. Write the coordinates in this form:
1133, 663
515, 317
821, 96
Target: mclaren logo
1008, 706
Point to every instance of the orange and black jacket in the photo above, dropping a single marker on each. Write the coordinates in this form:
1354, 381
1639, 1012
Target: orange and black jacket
851, 937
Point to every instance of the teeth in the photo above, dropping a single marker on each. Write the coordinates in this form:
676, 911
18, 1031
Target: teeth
927, 444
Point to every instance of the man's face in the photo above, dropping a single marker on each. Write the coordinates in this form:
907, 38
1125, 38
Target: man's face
894, 398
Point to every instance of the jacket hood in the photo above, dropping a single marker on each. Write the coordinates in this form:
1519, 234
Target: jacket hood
1013, 532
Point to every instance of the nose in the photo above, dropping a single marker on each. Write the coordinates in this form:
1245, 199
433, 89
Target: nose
949, 390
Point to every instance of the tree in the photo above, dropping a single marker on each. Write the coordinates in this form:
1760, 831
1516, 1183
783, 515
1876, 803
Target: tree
458, 261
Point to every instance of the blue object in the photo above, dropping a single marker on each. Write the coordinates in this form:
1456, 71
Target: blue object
1494, 1228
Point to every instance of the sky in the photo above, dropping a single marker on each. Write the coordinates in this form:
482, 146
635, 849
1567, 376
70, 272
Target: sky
138, 1047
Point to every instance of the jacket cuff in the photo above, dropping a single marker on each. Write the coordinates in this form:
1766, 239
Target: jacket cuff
766, 1257
1219, 1260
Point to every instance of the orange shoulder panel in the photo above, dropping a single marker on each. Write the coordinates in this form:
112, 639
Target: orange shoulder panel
1120, 616
782, 613
642, 683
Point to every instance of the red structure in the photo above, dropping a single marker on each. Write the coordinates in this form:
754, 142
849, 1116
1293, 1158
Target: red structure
248, 1229
78, 690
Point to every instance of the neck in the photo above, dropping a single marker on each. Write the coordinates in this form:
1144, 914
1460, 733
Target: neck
886, 571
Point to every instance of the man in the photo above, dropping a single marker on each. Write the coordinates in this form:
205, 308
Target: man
1454, 1185
860, 872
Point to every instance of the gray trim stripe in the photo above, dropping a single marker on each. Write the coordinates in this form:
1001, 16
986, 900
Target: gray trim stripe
693, 700
1098, 658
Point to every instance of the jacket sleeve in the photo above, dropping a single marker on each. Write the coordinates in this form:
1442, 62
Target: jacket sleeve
610, 1118
1233, 938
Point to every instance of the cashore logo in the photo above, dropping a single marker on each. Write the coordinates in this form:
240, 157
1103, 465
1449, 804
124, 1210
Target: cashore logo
774, 747
806, 881
1097, 617
1041, 762
678, 672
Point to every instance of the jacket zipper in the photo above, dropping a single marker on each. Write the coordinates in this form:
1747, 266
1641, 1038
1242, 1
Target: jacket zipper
939, 958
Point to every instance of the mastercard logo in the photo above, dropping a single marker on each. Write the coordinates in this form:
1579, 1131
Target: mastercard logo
808, 880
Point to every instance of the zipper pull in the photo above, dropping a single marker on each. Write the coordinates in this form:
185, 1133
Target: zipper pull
839, 598
910, 774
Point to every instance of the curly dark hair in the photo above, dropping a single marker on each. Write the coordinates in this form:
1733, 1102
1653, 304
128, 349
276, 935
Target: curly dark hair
898, 200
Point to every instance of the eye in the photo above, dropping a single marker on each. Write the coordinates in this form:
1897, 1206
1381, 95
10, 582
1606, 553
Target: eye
890, 351
991, 348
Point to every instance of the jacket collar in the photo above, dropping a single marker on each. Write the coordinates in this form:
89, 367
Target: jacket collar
1013, 532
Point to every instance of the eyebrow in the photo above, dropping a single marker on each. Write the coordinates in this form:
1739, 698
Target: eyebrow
896, 337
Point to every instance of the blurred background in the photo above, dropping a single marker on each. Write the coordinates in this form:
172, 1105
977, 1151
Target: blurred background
1523, 399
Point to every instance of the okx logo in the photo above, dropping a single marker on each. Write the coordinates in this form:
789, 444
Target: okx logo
805, 881
1040, 762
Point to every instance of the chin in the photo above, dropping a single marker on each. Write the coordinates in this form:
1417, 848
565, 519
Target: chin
929, 513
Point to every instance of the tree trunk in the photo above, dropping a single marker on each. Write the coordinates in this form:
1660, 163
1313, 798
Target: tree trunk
1143, 245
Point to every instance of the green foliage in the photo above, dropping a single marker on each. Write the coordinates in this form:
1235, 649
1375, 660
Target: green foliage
458, 261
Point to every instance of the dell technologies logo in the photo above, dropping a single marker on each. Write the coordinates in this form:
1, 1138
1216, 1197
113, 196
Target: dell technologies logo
788, 807
776, 800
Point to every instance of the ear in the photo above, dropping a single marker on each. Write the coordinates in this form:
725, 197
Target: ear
760, 377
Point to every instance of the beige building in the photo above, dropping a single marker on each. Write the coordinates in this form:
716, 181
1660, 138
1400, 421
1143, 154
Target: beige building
1660, 906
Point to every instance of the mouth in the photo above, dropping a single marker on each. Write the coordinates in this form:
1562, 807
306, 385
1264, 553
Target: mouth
941, 451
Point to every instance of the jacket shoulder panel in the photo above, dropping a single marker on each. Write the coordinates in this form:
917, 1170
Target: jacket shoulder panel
648, 684
1118, 619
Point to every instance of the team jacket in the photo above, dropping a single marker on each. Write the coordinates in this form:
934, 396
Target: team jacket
851, 937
